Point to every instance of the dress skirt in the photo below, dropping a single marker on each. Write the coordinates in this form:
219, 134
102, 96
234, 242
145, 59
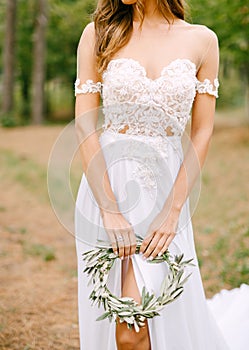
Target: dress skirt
142, 170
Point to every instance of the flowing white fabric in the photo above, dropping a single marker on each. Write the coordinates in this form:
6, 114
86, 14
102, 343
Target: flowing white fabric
142, 165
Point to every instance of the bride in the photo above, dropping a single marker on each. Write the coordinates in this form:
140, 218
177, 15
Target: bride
152, 69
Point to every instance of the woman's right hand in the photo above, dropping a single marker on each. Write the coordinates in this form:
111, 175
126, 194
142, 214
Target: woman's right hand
120, 232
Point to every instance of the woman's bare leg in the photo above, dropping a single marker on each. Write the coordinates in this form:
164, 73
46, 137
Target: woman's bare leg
129, 339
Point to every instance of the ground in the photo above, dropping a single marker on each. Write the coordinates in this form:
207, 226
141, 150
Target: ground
38, 283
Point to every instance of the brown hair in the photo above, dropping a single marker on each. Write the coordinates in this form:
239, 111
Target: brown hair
114, 23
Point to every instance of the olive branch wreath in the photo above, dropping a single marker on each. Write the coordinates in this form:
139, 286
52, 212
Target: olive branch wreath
99, 262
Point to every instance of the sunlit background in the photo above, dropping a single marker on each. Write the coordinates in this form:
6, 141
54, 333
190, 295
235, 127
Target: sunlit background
38, 286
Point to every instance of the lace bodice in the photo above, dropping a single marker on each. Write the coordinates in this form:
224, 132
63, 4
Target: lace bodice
135, 104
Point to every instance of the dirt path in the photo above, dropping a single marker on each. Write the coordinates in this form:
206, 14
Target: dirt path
38, 297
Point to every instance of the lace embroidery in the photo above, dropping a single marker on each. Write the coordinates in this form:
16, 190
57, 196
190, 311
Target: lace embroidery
135, 105
148, 155
88, 87
144, 106
207, 87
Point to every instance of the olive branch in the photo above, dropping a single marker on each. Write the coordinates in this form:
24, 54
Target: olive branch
99, 262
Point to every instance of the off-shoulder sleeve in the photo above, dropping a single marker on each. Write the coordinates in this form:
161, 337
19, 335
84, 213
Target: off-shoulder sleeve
207, 87
88, 87
207, 77
87, 79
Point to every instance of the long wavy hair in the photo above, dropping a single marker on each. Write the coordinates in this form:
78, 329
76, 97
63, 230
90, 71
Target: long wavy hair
114, 24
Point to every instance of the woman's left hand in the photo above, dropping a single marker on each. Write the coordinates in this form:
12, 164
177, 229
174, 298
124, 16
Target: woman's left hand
160, 234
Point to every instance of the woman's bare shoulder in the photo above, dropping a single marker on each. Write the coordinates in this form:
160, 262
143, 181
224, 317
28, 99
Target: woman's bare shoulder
88, 34
202, 32
89, 29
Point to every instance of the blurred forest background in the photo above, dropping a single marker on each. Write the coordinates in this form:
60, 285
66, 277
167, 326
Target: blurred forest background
38, 45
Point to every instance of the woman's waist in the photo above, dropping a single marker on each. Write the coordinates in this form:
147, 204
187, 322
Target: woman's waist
152, 127
137, 119
140, 145
151, 136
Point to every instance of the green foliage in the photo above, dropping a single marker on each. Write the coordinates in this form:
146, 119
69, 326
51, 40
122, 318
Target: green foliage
8, 120
230, 255
25, 171
66, 23
45, 252
230, 21
2, 14
67, 20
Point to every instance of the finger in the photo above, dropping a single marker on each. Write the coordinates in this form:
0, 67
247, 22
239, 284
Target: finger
167, 243
120, 244
126, 244
159, 247
133, 243
146, 242
113, 242
121, 249
132, 239
152, 245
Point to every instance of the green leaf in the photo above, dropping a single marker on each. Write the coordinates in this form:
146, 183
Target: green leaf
104, 316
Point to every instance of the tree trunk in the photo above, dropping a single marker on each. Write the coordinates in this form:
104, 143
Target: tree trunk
9, 57
38, 76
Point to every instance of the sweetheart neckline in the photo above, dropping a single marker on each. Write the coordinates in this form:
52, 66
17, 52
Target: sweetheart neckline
143, 69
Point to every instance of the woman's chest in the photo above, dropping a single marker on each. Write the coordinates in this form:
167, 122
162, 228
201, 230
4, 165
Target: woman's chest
126, 80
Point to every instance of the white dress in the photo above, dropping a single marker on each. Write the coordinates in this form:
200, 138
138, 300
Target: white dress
142, 165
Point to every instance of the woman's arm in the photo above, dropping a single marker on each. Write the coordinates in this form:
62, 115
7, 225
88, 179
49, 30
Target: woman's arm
86, 113
94, 166
163, 228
